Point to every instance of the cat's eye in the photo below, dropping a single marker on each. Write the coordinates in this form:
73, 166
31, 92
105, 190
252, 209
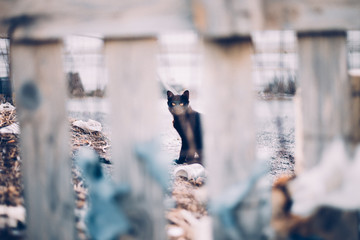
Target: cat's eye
181, 104
173, 104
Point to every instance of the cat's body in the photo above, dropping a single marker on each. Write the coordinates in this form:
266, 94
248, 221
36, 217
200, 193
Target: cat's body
187, 123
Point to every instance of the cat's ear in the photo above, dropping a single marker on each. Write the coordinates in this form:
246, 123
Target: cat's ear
186, 94
169, 94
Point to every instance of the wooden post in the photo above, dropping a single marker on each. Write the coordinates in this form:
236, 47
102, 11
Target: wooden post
39, 83
229, 125
325, 101
355, 105
134, 92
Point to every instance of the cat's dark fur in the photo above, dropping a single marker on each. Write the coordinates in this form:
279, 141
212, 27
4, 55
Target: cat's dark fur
188, 124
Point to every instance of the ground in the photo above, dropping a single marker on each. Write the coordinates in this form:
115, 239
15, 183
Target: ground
275, 137
275, 119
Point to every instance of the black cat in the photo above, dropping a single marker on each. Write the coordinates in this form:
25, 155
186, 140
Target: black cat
187, 123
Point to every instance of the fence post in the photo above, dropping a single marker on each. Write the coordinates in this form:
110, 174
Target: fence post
229, 126
355, 105
134, 92
324, 104
39, 83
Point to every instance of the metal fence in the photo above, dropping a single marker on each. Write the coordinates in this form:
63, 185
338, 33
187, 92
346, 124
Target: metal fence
353, 44
4, 57
84, 55
180, 58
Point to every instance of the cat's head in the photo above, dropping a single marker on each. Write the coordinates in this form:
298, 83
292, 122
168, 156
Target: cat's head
178, 104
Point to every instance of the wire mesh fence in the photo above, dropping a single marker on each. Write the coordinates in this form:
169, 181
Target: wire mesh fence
179, 61
5, 85
84, 65
275, 60
4, 57
353, 44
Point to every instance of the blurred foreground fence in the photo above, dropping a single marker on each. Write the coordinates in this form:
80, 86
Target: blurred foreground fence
36, 30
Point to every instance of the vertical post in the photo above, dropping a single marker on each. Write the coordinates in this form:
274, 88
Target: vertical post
39, 83
229, 125
324, 104
355, 105
134, 93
